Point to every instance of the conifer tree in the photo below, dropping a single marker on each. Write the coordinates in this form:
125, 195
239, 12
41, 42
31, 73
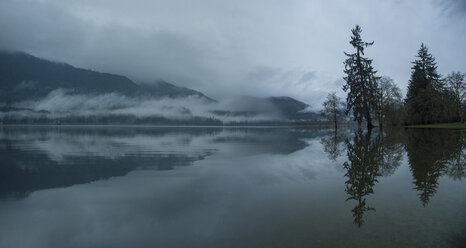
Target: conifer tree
361, 81
425, 100
424, 73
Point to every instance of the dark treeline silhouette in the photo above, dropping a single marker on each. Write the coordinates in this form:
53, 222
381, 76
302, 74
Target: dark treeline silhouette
430, 97
372, 155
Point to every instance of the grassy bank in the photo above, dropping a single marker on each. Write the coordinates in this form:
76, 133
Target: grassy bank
454, 125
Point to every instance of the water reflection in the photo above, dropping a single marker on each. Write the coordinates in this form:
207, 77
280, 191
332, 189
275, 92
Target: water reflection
431, 154
362, 170
223, 187
333, 145
34, 158
370, 156
391, 150
47, 157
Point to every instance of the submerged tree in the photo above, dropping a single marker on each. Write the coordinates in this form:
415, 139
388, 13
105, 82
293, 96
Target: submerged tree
333, 108
361, 81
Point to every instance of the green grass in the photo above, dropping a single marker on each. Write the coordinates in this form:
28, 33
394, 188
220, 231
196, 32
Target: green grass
454, 125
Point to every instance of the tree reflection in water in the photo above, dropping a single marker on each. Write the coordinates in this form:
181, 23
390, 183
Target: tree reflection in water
362, 171
431, 154
333, 145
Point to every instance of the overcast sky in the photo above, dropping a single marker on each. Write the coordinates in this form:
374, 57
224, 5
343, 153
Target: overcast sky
241, 47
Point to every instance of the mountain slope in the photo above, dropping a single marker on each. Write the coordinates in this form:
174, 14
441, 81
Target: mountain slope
165, 89
293, 109
25, 77
34, 90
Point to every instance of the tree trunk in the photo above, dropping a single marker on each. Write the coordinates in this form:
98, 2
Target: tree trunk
460, 111
369, 121
381, 123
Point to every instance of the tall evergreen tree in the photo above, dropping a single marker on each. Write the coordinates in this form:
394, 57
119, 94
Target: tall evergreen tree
424, 73
426, 100
361, 81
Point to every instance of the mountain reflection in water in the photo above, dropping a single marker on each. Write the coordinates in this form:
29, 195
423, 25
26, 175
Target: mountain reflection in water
48, 157
109, 186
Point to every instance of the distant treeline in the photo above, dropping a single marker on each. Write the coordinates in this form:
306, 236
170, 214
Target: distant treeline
129, 119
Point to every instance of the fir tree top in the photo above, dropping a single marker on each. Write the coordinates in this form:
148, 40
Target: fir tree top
356, 40
424, 72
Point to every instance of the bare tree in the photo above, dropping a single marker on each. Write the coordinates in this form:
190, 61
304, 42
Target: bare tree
455, 81
389, 100
333, 108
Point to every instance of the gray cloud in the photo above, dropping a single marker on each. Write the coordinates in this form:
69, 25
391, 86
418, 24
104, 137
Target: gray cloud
454, 7
307, 77
256, 48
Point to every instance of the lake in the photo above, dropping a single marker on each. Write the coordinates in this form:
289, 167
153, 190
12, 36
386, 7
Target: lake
110, 186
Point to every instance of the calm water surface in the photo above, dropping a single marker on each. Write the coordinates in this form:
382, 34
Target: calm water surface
231, 187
